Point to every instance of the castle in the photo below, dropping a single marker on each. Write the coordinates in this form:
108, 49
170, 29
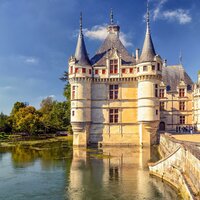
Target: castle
122, 99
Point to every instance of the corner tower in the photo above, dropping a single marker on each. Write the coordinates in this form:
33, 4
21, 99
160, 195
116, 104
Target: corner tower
80, 76
149, 74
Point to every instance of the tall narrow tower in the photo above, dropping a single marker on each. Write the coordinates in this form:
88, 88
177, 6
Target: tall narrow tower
80, 76
149, 74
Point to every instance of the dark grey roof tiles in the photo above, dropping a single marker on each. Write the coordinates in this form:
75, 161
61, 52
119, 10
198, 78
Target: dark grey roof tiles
148, 51
81, 54
172, 75
111, 42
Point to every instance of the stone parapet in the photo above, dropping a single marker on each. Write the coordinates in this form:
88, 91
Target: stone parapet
180, 166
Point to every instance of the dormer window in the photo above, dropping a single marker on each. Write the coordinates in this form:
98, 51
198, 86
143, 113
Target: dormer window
96, 71
153, 67
114, 66
131, 70
181, 92
103, 71
168, 88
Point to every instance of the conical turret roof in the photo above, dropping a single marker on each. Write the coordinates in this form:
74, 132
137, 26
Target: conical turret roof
81, 54
148, 51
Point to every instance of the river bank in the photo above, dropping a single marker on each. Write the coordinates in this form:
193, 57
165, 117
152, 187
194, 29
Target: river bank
35, 141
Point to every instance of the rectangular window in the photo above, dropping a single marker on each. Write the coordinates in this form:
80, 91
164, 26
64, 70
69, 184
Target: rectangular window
114, 66
162, 93
182, 119
156, 90
144, 68
96, 71
83, 70
103, 71
73, 92
153, 67
131, 70
138, 69
123, 71
73, 112
76, 70
156, 112
71, 70
113, 91
113, 115
181, 92
158, 66
182, 105
90, 71
162, 105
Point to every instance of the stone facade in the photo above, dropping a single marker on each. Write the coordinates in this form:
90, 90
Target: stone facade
122, 99
197, 103
180, 166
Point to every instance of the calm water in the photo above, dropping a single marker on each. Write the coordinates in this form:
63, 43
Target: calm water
60, 172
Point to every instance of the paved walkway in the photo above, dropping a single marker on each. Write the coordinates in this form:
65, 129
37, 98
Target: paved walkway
188, 137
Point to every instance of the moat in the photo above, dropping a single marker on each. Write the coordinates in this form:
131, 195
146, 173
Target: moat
58, 171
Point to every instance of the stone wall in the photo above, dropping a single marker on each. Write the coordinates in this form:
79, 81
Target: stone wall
180, 166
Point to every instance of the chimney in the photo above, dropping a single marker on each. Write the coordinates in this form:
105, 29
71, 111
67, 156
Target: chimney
137, 54
199, 77
165, 63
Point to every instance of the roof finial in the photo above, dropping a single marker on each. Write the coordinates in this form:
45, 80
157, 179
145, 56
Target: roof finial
148, 16
111, 17
81, 24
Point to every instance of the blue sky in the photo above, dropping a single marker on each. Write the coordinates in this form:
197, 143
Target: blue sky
38, 36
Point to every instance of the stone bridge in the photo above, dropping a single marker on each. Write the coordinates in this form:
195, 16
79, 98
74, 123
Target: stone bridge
180, 166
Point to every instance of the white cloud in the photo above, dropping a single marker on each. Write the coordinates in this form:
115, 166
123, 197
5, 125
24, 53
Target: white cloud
30, 60
99, 32
156, 12
179, 15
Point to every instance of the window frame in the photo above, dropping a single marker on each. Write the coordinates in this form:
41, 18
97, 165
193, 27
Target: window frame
113, 92
113, 66
114, 115
182, 119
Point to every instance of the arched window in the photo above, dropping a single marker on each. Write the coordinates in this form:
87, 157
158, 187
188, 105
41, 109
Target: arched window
168, 88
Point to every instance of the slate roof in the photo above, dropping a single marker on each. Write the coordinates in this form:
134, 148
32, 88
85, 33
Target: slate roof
148, 51
111, 42
81, 54
172, 75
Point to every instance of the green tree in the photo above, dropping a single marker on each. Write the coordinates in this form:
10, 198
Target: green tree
27, 120
5, 125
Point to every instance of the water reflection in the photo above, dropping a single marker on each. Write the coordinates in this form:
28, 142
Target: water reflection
119, 173
57, 171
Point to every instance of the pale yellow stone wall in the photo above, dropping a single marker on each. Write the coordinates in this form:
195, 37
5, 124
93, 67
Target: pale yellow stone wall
197, 107
126, 130
171, 113
138, 120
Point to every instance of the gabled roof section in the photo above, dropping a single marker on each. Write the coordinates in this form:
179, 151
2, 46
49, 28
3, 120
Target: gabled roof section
173, 75
81, 54
112, 41
148, 51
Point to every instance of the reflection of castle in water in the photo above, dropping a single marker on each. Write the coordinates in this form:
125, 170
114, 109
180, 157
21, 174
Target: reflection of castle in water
114, 173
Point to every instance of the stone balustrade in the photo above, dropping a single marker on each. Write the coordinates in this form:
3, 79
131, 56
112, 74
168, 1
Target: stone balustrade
180, 166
